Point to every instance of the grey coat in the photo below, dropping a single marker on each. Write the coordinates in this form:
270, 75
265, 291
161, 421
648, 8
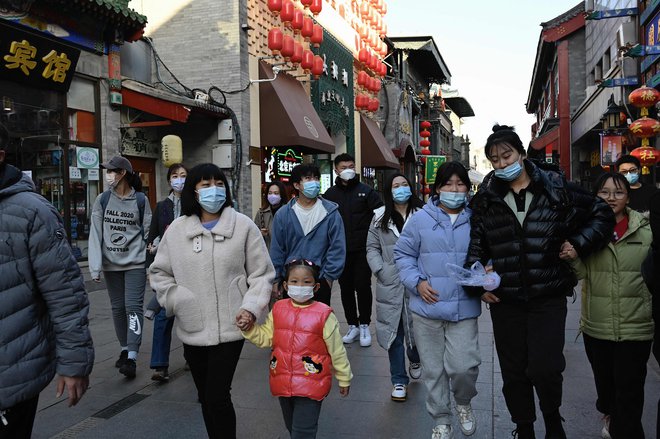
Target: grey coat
391, 298
43, 304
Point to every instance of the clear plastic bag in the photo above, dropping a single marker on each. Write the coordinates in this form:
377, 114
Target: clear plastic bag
476, 276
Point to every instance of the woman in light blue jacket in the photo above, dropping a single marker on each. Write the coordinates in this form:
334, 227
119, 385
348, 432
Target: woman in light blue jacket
444, 316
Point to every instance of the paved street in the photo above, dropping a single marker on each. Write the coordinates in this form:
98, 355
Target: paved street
115, 407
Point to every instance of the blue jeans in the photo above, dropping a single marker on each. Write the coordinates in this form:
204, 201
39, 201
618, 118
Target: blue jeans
160, 350
397, 356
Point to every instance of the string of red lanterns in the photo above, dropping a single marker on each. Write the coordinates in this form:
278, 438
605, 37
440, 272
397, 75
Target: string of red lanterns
645, 127
292, 47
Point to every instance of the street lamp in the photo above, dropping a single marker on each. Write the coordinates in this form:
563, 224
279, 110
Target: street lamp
612, 117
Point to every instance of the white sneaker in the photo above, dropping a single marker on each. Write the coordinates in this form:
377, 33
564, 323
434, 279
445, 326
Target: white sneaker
466, 419
365, 336
399, 392
605, 432
352, 334
442, 432
415, 370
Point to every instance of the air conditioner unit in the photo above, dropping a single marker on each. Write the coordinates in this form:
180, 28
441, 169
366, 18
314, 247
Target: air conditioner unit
627, 33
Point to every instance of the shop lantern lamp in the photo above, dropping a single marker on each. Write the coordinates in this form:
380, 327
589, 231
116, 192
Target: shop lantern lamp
316, 7
275, 6
317, 35
286, 14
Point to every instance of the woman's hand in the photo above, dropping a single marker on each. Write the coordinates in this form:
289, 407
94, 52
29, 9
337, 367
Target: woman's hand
567, 252
490, 298
428, 294
343, 391
245, 320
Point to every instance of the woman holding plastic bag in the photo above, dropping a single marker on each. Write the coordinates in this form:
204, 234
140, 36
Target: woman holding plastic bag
444, 316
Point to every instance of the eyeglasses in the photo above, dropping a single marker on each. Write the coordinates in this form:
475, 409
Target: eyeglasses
629, 171
618, 195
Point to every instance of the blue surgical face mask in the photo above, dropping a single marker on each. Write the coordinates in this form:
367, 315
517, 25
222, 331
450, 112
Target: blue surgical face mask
509, 173
212, 198
401, 195
453, 200
177, 184
632, 178
311, 188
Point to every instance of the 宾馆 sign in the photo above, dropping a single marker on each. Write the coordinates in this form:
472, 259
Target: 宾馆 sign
34, 60
433, 162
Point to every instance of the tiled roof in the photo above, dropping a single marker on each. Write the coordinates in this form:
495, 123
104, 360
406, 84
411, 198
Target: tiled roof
573, 12
114, 12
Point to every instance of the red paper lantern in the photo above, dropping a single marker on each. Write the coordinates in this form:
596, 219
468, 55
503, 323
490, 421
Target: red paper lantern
425, 124
359, 99
296, 58
307, 28
424, 133
644, 128
275, 6
377, 85
363, 56
644, 97
646, 155
316, 7
425, 151
286, 14
383, 71
307, 60
362, 78
288, 46
275, 40
383, 30
374, 104
364, 9
317, 35
425, 143
297, 22
364, 31
306, 3
317, 67
384, 8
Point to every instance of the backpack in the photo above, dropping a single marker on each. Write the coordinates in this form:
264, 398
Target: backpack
141, 200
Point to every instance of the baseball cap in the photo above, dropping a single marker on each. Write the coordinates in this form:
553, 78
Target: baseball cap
118, 162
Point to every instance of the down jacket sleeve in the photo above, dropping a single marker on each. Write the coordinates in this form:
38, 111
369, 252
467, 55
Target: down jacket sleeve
374, 250
406, 254
60, 284
593, 219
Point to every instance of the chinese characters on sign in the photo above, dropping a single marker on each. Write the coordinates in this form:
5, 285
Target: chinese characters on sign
337, 76
433, 162
281, 164
35, 60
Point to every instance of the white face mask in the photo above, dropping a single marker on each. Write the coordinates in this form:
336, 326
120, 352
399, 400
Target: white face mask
110, 178
347, 174
301, 294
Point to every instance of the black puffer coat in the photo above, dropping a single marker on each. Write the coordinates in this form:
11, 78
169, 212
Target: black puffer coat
43, 304
527, 257
357, 203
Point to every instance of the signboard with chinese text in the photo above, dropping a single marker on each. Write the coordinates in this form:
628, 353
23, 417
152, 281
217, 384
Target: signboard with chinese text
140, 143
87, 158
651, 38
611, 149
281, 163
35, 60
433, 162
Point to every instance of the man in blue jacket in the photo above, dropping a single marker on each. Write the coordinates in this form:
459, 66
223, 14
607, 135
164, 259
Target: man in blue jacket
308, 227
43, 304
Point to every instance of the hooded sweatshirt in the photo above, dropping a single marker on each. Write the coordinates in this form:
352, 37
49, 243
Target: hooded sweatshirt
117, 240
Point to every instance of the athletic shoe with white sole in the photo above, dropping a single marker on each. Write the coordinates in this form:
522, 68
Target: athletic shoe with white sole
399, 393
352, 335
466, 419
365, 336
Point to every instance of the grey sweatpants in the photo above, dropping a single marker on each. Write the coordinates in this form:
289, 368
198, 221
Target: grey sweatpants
126, 291
448, 351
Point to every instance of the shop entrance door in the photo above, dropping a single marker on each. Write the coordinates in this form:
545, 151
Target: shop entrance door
147, 170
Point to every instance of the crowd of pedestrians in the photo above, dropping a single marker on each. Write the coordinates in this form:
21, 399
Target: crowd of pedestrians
216, 272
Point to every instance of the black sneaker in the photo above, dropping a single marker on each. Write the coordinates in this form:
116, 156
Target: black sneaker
122, 359
161, 374
128, 368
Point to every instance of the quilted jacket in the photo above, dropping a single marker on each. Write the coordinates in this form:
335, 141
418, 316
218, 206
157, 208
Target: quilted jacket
43, 304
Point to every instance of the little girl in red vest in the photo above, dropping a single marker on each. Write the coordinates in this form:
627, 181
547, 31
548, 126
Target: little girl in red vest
307, 347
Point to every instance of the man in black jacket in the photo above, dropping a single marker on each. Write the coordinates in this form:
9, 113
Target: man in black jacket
526, 219
357, 202
43, 304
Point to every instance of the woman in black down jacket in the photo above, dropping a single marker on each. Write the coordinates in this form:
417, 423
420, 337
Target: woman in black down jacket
525, 218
